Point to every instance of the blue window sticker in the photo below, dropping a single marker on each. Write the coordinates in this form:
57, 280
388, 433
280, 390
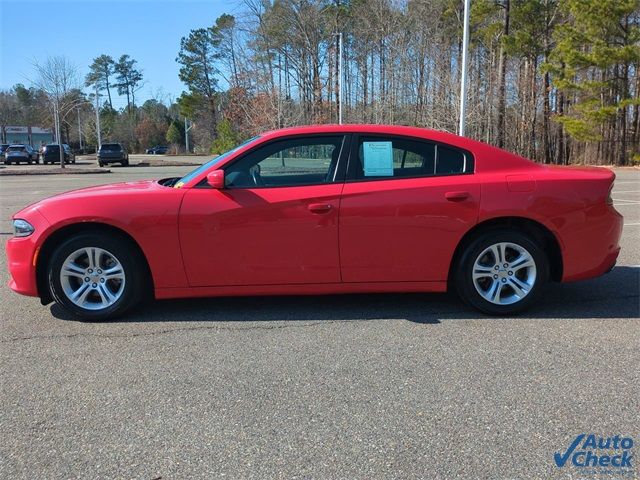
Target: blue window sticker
378, 159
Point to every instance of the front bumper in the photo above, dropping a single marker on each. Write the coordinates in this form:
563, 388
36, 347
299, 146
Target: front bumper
22, 255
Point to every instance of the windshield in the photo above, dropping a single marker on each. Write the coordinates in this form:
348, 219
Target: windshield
191, 175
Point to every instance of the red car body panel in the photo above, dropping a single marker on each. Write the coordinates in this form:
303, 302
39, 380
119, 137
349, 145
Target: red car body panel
260, 236
404, 229
354, 236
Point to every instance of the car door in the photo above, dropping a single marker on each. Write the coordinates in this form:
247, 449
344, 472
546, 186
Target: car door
405, 206
276, 220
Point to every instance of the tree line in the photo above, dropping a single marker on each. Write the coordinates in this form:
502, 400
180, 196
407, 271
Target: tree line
554, 80
57, 86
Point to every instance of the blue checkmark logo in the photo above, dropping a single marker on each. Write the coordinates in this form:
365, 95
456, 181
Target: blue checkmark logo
561, 459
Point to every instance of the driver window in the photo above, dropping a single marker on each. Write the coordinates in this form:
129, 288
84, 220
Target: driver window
298, 161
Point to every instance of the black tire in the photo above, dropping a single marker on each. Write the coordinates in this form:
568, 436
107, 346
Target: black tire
464, 267
100, 164
132, 292
125, 163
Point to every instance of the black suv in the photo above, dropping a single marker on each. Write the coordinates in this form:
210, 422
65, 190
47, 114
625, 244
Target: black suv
20, 153
112, 153
51, 153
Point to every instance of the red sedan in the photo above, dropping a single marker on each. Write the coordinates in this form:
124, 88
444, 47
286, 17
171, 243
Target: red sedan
324, 210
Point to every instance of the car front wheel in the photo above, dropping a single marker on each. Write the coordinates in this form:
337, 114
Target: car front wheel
95, 277
502, 272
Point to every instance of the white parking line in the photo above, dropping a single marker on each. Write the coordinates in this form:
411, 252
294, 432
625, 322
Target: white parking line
630, 224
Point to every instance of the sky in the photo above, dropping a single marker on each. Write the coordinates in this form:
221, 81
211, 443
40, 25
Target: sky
147, 30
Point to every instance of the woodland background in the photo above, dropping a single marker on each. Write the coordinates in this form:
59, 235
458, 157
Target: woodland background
553, 80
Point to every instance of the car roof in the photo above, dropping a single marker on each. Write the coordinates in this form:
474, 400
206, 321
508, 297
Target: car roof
403, 130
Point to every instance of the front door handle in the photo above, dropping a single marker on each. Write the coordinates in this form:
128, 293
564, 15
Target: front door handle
320, 207
456, 196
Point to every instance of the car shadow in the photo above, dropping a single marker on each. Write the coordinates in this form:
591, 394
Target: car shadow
616, 295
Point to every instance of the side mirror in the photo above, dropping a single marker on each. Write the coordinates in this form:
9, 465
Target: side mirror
216, 179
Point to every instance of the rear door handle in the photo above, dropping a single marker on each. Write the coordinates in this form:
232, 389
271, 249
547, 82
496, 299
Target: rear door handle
320, 207
456, 196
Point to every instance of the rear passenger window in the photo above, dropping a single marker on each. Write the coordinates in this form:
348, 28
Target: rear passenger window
394, 157
450, 161
397, 157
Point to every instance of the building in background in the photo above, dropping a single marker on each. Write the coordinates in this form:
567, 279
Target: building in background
34, 136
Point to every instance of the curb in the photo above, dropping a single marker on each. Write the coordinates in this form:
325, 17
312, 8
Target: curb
55, 171
167, 164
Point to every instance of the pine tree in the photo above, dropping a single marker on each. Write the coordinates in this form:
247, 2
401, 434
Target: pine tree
591, 65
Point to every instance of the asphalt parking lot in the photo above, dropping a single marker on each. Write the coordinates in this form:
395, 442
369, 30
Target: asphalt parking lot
357, 386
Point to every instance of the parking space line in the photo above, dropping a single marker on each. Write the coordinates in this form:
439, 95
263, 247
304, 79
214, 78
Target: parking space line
629, 202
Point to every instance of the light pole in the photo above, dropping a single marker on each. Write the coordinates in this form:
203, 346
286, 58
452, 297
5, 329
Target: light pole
186, 134
56, 119
79, 130
340, 78
98, 120
463, 75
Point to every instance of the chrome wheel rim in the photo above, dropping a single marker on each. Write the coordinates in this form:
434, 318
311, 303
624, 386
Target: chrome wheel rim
92, 278
504, 273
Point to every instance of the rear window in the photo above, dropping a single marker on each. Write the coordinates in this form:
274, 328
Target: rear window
51, 148
110, 147
16, 149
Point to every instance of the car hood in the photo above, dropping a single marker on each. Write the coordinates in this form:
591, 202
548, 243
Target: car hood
101, 192
123, 188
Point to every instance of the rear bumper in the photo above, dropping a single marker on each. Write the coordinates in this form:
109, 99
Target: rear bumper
110, 159
592, 249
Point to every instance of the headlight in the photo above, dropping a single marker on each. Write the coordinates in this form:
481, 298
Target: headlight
22, 228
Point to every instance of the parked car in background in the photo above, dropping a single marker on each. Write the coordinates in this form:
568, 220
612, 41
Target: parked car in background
20, 153
158, 150
3, 148
51, 153
113, 153
323, 210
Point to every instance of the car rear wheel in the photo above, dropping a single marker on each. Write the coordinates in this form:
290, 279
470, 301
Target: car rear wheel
95, 277
502, 272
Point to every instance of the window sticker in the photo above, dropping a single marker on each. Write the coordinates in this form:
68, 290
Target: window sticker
378, 159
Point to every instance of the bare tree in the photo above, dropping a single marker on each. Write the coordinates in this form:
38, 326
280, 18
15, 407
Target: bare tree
58, 79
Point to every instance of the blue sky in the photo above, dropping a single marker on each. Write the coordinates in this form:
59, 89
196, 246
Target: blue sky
148, 30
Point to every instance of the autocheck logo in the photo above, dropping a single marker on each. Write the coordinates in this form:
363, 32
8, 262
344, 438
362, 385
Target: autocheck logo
596, 453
